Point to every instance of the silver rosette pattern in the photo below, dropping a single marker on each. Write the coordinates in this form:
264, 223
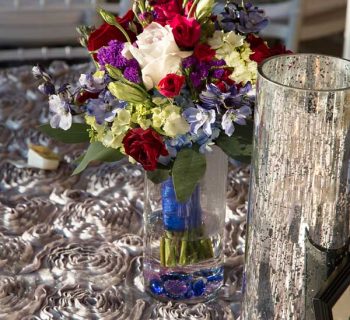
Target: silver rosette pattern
71, 247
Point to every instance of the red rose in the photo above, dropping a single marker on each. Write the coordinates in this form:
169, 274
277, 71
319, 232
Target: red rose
105, 33
171, 85
203, 52
261, 49
145, 146
186, 31
166, 11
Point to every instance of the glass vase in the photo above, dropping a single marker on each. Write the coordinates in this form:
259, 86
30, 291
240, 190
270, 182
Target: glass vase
183, 257
298, 216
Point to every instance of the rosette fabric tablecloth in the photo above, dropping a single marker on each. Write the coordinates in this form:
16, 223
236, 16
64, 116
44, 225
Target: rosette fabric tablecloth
71, 246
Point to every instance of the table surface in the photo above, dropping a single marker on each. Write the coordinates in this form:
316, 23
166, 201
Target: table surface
71, 246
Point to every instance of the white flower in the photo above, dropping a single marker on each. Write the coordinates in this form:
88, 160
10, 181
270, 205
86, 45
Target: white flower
175, 124
226, 41
61, 116
157, 53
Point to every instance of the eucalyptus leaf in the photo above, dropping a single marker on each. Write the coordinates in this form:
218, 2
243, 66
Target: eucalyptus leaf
77, 133
158, 176
189, 167
97, 151
240, 145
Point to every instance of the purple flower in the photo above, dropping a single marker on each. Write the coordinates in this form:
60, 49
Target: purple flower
92, 84
112, 54
132, 74
104, 108
218, 63
237, 116
247, 19
61, 112
234, 98
47, 88
189, 62
218, 73
213, 97
200, 118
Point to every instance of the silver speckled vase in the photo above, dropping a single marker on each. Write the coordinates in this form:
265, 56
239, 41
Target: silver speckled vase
299, 198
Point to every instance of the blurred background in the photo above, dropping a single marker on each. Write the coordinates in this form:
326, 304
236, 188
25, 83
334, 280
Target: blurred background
32, 30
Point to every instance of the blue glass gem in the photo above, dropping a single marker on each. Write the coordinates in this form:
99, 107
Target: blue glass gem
176, 276
189, 294
198, 287
156, 286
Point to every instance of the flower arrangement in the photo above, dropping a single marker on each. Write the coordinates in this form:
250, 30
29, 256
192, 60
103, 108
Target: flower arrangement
172, 79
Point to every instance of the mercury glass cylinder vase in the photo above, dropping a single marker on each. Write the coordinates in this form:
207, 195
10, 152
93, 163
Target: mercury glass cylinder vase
183, 258
299, 199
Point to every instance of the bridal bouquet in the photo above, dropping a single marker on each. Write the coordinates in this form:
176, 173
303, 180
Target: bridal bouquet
172, 79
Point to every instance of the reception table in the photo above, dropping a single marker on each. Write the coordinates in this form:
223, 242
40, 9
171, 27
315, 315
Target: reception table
71, 246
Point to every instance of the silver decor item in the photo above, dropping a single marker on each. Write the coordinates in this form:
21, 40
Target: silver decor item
299, 198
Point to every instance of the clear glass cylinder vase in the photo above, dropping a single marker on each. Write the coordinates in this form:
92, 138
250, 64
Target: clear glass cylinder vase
299, 193
183, 257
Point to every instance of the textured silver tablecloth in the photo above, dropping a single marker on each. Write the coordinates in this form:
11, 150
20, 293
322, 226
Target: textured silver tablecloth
71, 247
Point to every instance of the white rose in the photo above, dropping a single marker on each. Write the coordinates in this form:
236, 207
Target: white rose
157, 53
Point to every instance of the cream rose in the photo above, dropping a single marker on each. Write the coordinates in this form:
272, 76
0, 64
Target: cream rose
157, 53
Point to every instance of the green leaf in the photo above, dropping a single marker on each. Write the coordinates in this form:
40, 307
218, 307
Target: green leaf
240, 145
77, 133
158, 176
189, 168
97, 151
126, 92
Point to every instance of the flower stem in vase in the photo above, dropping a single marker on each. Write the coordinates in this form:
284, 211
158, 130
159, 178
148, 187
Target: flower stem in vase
183, 241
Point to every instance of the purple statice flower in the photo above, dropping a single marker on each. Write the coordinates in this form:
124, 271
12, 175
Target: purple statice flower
233, 116
132, 74
105, 107
112, 54
218, 73
92, 84
218, 63
189, 62
246, 19
60, 109
200, 70
200, 118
